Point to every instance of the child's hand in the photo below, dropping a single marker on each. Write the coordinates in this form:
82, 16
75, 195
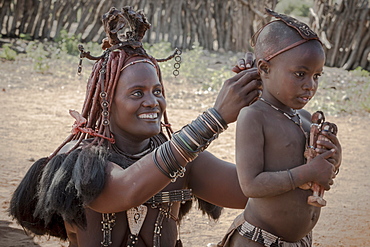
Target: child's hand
332, 144
323, 170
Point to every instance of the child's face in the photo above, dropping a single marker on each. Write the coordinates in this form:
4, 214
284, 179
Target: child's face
138, 103
293, 75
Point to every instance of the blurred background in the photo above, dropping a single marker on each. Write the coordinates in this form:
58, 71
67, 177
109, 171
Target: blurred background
215, 25
39, 83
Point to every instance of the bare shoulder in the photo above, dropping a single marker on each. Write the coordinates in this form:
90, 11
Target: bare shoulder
306, 119
250, 125
305, 115
252, 114
113, 169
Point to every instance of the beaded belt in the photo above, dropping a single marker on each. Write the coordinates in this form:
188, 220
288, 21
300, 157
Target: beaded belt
171, 196
258, 235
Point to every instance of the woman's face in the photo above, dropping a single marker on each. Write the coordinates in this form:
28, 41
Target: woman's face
138, 103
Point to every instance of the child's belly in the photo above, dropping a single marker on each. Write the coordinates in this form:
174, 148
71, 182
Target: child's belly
287, 216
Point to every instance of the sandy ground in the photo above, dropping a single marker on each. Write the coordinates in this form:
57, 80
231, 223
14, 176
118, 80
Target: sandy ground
34, 120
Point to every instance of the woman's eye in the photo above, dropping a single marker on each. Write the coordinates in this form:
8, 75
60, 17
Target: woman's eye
158, 92
137, 93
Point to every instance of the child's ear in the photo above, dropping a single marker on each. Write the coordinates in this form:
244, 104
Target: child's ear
263, 67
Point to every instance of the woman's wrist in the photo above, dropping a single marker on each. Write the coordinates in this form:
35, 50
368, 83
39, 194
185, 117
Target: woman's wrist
187, 143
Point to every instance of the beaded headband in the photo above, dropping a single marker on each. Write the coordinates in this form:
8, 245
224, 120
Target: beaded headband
303, 30
138, 61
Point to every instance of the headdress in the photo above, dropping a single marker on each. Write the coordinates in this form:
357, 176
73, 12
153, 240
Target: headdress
303, 30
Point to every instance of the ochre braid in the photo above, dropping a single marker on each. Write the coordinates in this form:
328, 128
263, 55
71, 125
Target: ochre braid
92, 107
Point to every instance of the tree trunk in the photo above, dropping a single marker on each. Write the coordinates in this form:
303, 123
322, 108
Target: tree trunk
4, 13
344, 28
343, 25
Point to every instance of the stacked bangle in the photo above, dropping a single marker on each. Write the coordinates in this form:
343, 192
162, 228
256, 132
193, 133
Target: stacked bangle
173, 168
196, 136
158, 165
189, 142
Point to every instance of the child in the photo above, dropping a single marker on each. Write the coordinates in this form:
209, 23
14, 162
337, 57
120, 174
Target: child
271, 140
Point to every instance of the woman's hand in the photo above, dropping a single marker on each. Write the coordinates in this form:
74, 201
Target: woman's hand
237, 92
244, 63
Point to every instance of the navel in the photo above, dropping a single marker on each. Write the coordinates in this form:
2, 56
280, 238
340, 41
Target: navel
314, 217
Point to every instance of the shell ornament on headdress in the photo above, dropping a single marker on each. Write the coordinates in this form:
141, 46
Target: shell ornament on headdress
114, 21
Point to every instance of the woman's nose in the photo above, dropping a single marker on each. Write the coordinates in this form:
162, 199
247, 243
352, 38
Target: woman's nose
150, 101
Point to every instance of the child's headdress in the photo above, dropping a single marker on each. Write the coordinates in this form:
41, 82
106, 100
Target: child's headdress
303, 30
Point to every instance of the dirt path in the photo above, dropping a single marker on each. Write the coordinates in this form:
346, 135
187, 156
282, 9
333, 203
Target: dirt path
34, 120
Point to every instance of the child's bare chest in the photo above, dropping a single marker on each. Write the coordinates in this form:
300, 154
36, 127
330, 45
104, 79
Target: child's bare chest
284, 146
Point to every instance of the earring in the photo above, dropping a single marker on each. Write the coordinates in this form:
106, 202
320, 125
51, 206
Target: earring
176, 65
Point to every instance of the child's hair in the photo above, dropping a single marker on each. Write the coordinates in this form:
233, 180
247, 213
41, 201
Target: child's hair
280, 35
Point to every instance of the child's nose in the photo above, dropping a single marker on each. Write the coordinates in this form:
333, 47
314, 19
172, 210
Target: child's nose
310, 84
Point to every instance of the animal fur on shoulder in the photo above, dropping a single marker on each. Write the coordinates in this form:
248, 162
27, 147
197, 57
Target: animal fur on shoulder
56, 192
79, 179
24, 200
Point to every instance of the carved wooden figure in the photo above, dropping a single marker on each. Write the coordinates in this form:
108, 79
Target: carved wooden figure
317, 126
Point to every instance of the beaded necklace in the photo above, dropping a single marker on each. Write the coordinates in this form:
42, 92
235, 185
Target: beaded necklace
287, 115
135, 156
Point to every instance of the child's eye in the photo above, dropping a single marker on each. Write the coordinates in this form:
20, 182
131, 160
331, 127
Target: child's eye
299, 74
316, 76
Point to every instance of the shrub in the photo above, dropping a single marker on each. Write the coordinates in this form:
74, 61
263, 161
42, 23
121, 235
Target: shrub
8, 53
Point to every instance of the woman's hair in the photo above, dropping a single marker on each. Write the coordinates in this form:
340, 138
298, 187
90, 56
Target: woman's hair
93, 122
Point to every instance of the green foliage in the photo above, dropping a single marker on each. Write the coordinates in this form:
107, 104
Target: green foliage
64, 48
361, 72
8, 53
295, 8
25, 36
94, 47
197, 65
39, 54
161, 50
68, 43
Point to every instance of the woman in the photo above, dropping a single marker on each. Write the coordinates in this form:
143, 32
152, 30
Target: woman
117, 180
